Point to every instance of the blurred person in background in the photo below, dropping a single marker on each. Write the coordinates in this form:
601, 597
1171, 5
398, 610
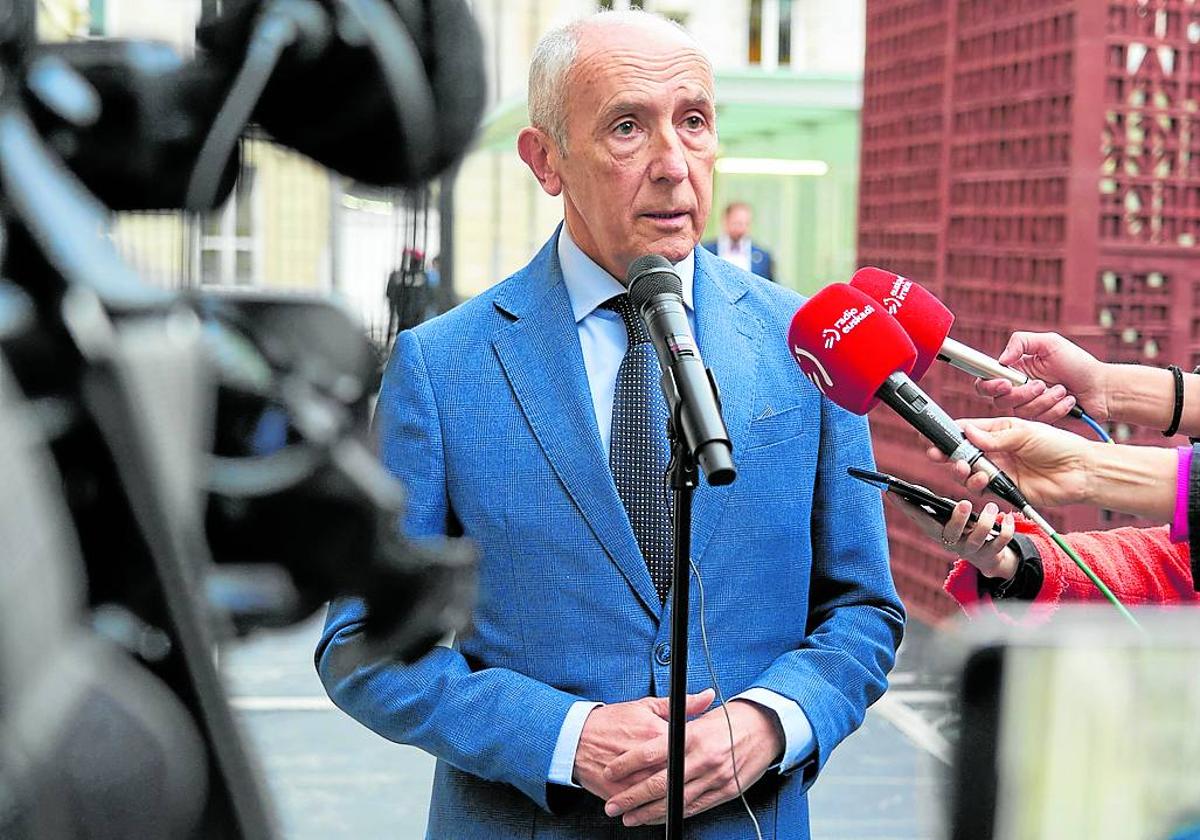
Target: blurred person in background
734, 243
410, 297
507, 421
1055, 467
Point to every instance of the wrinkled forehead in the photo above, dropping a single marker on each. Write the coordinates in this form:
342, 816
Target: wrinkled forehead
652, 54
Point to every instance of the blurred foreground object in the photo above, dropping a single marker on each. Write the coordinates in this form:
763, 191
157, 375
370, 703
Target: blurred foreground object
177, 470
1083, 727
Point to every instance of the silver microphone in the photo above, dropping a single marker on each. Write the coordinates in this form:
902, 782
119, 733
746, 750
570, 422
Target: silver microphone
979, 364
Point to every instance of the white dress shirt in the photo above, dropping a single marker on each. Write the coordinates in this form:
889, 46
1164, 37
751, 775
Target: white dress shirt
603, 340
739, 253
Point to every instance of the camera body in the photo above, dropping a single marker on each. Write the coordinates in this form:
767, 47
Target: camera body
180, 469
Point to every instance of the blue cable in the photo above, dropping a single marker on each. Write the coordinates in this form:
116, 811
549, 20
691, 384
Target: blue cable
1096, 427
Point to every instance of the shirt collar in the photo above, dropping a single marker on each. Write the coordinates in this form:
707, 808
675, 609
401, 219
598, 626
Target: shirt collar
742, 246
589, 285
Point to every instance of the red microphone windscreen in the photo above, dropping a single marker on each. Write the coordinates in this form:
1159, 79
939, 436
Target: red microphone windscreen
923, 316
847, 345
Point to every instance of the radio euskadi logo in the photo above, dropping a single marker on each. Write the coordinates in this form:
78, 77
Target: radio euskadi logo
816, 372
895, 298
850, 319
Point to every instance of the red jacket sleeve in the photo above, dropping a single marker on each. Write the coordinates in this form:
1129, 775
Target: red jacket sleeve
1140, 566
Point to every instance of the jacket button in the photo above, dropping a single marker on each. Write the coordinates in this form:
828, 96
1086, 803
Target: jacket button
662, 653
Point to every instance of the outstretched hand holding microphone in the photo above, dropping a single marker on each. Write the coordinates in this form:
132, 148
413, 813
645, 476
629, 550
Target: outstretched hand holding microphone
1137, 394
928, 321
1054, 467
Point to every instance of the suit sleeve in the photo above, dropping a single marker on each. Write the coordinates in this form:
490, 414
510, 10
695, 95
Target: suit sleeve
493, 723
855, 618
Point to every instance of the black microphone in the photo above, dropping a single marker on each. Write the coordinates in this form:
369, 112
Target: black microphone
690, 388
919, 410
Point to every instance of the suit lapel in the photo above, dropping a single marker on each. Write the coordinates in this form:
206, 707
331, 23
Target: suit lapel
542, 359
730, 340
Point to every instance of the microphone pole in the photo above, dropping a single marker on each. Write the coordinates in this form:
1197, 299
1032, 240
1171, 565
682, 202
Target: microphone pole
681, 475
698, 437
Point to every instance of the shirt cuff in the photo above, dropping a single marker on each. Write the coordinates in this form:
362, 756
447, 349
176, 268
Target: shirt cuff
798, 740
562, 763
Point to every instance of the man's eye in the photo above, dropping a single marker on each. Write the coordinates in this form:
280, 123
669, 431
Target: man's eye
694, 121
625, 128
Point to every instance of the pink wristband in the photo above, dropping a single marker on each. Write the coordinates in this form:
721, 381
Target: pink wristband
1183, 469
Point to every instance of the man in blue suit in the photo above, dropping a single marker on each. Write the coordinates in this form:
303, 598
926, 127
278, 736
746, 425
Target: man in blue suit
548, 719
734, 244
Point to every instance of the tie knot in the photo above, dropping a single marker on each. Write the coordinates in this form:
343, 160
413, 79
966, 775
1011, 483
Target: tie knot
634, 325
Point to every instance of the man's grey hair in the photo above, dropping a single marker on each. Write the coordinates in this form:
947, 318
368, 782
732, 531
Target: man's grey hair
552, 59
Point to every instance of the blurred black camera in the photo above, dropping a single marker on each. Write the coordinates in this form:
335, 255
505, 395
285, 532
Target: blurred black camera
178, 468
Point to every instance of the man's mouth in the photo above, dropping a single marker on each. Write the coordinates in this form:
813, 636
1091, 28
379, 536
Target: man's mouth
669, 214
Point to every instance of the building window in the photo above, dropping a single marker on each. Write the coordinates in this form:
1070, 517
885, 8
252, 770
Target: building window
785, 33
754, 52
770, 33
228, 251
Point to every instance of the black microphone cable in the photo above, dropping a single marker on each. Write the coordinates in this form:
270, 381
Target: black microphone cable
712, 675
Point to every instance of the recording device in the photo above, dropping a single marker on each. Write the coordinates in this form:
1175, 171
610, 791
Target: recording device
690, 389
937, 507
387, 92
179, 468
856, 354
928, 322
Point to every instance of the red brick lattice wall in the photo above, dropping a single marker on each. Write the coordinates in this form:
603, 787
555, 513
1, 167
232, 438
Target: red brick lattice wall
1036, 164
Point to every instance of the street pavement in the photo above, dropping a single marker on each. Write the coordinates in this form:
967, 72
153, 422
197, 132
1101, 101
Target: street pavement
329, 777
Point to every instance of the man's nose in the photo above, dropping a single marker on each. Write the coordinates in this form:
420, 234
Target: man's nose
669, 162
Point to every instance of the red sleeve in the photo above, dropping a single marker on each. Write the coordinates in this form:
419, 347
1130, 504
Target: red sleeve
1140, 566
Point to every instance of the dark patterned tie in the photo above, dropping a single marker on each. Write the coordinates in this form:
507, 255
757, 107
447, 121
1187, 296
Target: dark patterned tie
638, 451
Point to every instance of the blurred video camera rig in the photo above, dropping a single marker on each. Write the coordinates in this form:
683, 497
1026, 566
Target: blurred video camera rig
179, 468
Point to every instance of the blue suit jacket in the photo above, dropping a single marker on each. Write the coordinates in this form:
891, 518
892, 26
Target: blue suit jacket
485, 414
760, 259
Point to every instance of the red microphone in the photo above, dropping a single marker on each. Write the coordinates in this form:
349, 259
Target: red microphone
928, 322
848, 346
856, 354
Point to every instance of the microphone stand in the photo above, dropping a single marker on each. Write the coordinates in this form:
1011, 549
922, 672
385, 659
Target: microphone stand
682, 475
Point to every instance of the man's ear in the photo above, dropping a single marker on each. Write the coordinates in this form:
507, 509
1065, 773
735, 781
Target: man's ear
541, 155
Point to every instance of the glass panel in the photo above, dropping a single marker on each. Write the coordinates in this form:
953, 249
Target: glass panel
245, 267
785, 32
96, 17
754, 48
210, 267
244, 196
212, 222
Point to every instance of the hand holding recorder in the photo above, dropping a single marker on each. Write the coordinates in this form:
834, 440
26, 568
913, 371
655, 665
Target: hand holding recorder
980, 538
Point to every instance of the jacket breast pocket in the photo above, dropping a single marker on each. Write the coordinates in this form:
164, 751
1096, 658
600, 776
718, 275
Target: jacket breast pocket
777, 428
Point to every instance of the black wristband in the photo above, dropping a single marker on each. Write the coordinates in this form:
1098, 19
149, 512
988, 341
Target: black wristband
1026, 582
1177, 414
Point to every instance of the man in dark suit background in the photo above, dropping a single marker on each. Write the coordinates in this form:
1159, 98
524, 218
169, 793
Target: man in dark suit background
735, 246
